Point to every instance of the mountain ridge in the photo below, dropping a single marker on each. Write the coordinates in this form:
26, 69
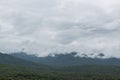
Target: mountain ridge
12, 60
60, 60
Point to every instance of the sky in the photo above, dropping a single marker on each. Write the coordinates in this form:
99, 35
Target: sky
49, 26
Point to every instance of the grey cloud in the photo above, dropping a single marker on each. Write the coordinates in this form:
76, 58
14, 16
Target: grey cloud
50, 26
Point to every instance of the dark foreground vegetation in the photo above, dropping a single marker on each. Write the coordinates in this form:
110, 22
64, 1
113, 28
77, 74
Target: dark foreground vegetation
88, 72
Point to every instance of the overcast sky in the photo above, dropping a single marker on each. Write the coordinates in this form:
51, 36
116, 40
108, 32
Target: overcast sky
47, 26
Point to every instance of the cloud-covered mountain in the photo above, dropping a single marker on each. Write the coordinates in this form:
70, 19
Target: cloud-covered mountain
68, 59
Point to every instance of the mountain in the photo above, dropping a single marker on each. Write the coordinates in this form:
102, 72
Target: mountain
9, 59
25, 56
68, 59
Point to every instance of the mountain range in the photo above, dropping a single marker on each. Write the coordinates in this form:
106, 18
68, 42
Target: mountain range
68, 59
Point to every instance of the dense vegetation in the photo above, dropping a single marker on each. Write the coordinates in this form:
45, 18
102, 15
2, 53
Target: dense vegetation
14, 68
88, 72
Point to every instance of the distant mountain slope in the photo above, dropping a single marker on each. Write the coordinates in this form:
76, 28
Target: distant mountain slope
9, 59
69, 59
25, 56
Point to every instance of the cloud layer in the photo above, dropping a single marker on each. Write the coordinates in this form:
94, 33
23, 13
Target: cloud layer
46, 26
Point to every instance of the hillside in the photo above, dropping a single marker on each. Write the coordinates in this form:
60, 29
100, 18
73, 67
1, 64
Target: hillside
8, 59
